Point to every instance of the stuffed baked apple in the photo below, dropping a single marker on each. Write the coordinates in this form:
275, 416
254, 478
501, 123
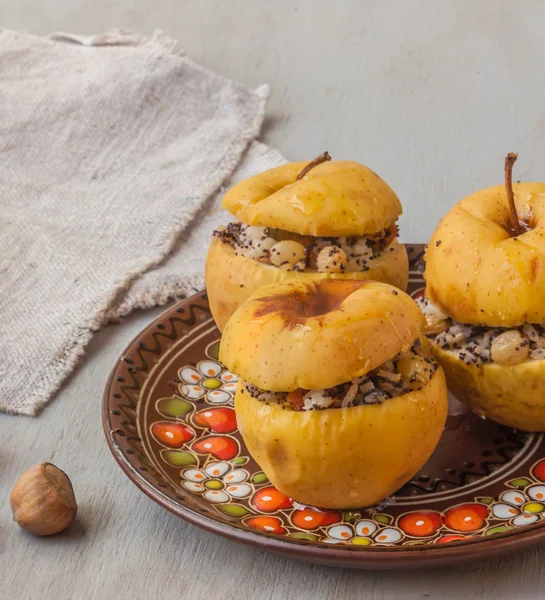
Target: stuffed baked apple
307, 222
336, 401
485, 301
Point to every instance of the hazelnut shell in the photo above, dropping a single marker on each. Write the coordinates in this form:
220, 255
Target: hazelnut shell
43, 501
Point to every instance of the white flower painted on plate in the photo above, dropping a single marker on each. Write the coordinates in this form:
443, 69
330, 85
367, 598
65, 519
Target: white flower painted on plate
209, 380
361, 534
388, 535
523, 508
218, 482
523, 520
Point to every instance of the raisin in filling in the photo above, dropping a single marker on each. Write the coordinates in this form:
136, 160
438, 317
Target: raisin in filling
294, 252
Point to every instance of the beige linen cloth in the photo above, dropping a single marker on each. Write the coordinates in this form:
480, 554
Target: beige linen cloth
113, 151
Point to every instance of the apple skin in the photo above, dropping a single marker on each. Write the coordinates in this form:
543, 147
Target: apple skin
317, 335
476, 272
511, 395
382, 445
335, 198
230, 279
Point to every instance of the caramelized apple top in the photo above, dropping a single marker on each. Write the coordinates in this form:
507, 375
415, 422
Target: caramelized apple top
337, 198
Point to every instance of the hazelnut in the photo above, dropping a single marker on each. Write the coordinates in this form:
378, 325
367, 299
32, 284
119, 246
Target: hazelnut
43, 501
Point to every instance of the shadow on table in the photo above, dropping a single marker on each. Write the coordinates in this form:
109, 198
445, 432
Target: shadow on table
73, 534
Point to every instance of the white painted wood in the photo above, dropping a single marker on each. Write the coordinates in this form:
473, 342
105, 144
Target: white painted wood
431, 94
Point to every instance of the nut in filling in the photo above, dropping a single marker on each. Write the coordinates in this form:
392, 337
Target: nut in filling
406, 372
294, 252
477, 344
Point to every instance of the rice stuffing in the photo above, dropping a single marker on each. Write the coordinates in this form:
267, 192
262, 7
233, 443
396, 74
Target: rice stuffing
294, 252
478, 344
407, 372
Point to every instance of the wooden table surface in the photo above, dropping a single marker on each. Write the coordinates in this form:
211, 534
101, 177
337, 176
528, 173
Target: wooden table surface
432, 94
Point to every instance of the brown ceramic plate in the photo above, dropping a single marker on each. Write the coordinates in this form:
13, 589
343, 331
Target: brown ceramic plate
169, 421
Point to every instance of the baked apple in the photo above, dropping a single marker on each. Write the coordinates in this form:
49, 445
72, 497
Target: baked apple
308, 222
485, 301
336, 401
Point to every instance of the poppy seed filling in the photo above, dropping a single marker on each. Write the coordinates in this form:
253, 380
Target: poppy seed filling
294, 252
479, 344
407, 372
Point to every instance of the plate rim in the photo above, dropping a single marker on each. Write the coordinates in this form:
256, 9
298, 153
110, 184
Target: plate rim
383, 558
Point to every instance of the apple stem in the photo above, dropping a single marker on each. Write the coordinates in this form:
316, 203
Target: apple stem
313, 163
515, 223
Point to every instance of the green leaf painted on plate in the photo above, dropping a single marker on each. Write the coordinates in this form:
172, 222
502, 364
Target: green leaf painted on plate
232, 510
414, 543
498, 529
383, 518
520, 482
350, 516
174, 406
179, 458
213, 350
308, 537
260, 478
239, 460
485, 500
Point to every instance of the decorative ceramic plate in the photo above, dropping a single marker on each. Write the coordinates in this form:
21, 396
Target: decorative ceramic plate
169, 421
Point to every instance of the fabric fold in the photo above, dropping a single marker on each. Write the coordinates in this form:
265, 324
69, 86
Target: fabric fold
111, 148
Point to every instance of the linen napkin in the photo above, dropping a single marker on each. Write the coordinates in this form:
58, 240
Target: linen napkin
183, 273
112, 152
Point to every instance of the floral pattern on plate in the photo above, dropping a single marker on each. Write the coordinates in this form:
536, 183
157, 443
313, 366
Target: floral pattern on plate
212, 462
209, 379
482, 487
